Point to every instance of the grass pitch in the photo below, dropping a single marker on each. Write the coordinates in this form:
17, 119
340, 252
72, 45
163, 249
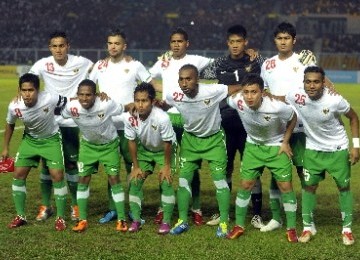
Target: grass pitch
38, 240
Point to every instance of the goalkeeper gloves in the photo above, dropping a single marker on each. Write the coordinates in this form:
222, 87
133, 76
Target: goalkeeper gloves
307, 58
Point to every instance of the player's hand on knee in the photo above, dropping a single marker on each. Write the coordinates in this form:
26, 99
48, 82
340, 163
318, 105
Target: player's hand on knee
165, 174
136, 174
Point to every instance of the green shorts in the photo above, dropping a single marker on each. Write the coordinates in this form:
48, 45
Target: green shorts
70, 137
297, 144
257, 157
147, 159
92, 154
337, 164
195, 149
32, 149
124, 147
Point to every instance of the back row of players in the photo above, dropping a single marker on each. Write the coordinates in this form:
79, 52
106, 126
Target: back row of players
268, 133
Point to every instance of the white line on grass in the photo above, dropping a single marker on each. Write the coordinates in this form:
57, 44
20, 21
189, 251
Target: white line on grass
16, 128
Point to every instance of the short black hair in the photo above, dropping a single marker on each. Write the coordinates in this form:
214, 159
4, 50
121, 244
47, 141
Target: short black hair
117, 32
146, 87
315, 69
181, 31
285, 27
252, 79
32, 78
191, 67
57, 34
237, 30
89, 83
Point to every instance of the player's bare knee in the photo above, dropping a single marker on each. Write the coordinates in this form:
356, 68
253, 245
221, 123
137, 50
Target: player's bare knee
344, 189
113, 179
311, 188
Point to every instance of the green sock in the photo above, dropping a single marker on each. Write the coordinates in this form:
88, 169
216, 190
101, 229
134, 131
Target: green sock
19, 195
290, 206
60, 192
241, 206
167, 201
118, 197
135, 198
308, 205
346, 207
183, 197
83, 193
275, 196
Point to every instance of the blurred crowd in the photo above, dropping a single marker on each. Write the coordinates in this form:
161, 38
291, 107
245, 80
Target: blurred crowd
26, 24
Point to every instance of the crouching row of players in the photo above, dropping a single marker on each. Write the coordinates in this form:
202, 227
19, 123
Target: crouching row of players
268, 122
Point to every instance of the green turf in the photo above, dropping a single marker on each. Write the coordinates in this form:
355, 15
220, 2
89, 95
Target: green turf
40, 241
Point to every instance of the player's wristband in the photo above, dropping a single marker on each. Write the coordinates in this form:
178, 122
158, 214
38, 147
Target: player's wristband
356, 142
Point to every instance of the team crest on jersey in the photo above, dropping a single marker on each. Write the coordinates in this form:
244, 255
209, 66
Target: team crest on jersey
296, 69
207, 102
154, 127
248, 68
46, 110
101, 116
126, 70
267, 118
326, 111
76, 71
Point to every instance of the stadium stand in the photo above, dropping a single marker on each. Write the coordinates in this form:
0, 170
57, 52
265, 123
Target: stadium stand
25, 24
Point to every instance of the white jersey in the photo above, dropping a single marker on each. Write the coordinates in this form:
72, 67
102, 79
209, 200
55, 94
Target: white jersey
201, 113
322, 120
95, 124
267, 124
118, 81
152, 132
62, 80
39, 120
284, 76
169, 72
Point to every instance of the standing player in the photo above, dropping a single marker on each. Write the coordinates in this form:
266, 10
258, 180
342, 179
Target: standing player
41, 139
99, 144
167, 68
269, 125
281, 74
62, 73
327, 147
230, 70
118, 78
203, 139
152, 141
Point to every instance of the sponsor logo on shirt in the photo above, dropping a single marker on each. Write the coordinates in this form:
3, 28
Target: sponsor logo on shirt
326, 111
46, 110
76, 71
295, 69
154, 127
126, 70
